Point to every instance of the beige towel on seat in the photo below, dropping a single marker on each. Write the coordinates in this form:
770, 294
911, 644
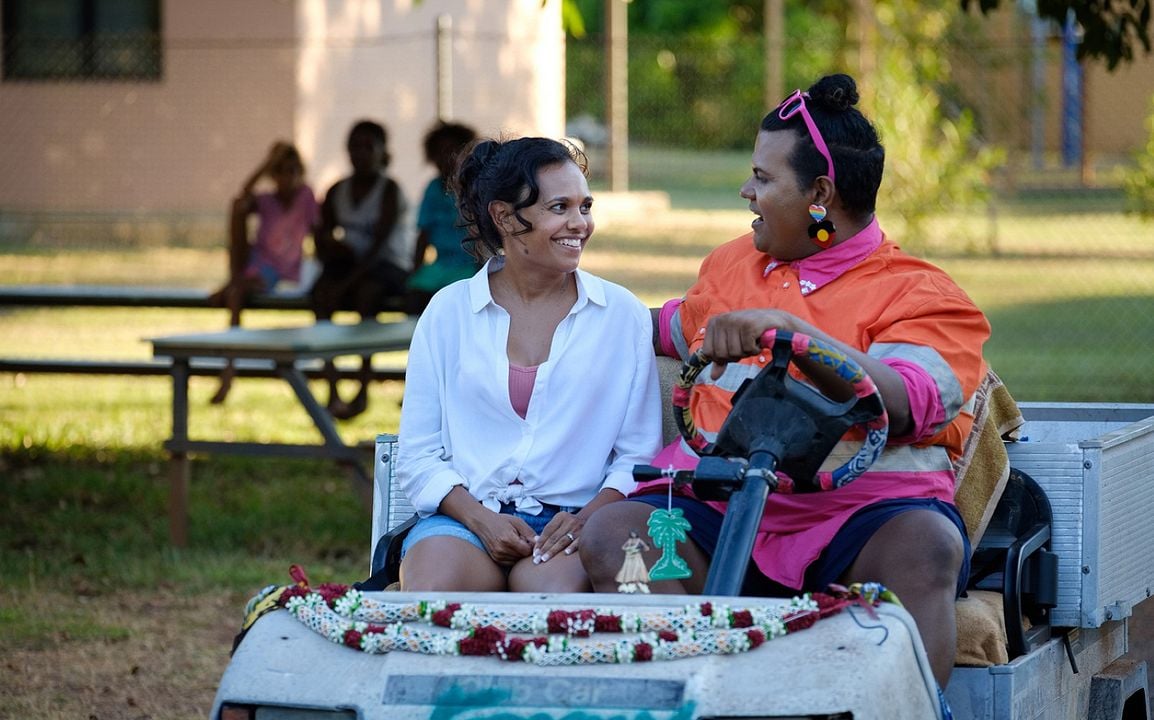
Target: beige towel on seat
668, 370
982, 472
984, 467
981, 630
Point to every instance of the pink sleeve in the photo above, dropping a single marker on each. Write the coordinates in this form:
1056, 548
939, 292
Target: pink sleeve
663, 320
926, 409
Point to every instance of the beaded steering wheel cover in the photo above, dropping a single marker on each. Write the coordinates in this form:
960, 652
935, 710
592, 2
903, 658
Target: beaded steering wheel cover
877, 430
545, 636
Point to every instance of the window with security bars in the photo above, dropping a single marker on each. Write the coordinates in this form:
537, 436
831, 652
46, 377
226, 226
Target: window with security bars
79, 40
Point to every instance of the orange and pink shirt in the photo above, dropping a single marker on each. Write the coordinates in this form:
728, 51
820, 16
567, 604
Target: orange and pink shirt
868, 294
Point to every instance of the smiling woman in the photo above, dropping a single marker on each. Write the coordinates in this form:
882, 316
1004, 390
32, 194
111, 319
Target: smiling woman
503, 450
542, 250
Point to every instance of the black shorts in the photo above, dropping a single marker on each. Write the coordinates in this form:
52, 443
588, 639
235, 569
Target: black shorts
837, 556
375, 291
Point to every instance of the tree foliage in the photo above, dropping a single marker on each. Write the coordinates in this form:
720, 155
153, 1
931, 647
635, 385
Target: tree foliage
934, 159
1110, 30
697, 69
1139, 180
715, 18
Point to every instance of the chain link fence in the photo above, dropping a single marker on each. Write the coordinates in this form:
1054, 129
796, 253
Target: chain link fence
1043, 243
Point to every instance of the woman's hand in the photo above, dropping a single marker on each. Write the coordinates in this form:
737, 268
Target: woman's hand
736, 335
561, 535
506, 538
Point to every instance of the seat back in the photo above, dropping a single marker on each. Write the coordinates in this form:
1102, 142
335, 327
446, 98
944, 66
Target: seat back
983, 467
391, 508
667, 371
1014, 558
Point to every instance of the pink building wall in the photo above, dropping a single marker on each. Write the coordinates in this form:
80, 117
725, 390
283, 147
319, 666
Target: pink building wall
237, 75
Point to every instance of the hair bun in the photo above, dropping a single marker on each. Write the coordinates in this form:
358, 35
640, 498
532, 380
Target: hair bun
485, 150
836, 93
472, 163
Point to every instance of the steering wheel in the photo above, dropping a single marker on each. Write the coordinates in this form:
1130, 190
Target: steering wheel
791, 420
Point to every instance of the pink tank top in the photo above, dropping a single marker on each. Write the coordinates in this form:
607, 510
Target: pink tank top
521, 381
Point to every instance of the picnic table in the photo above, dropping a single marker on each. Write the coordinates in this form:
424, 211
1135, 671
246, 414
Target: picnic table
285, 349
148, 296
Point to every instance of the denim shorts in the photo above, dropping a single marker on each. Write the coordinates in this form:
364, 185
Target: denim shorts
439, 524
837, 556
267, 274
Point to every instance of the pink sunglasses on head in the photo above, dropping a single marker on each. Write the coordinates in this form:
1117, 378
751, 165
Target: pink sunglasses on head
795, 104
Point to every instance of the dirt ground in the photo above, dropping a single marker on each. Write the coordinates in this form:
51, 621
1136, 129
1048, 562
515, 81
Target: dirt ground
155, 657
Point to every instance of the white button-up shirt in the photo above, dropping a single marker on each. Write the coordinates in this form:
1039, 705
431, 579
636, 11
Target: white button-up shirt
594, 413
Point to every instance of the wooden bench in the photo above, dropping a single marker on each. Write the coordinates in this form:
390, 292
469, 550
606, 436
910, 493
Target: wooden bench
294, 354
200, 367
143, 296
135, 296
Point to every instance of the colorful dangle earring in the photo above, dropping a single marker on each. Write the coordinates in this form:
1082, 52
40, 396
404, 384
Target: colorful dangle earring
821, 231
667, 528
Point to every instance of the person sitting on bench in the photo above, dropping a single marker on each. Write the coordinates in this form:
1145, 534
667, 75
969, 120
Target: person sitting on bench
287, 216
365, 248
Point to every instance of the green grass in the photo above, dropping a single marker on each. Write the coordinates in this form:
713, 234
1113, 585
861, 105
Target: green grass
1067, 330
89, 583
33, 632
85, 491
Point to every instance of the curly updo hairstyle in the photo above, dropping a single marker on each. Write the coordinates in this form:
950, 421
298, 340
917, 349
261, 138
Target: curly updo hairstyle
858, 155
503, 170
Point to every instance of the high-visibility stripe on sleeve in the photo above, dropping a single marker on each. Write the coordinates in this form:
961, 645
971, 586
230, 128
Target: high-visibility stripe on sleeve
932, 363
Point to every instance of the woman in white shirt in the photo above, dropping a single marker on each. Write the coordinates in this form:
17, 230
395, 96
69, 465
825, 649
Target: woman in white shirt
531, 389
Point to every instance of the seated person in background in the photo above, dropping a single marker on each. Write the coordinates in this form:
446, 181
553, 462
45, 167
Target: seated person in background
286, 216
363, 246
438, 222
531, 389
817, 262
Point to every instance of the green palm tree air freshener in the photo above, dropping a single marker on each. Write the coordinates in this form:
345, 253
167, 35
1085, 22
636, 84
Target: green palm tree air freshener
667, 528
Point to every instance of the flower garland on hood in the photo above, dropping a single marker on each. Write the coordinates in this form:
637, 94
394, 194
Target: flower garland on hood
348, 617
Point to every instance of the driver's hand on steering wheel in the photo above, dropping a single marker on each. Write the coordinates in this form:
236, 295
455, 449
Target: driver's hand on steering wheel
736, 335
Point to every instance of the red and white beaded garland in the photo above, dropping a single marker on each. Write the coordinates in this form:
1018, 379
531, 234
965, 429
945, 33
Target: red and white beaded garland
346, 616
